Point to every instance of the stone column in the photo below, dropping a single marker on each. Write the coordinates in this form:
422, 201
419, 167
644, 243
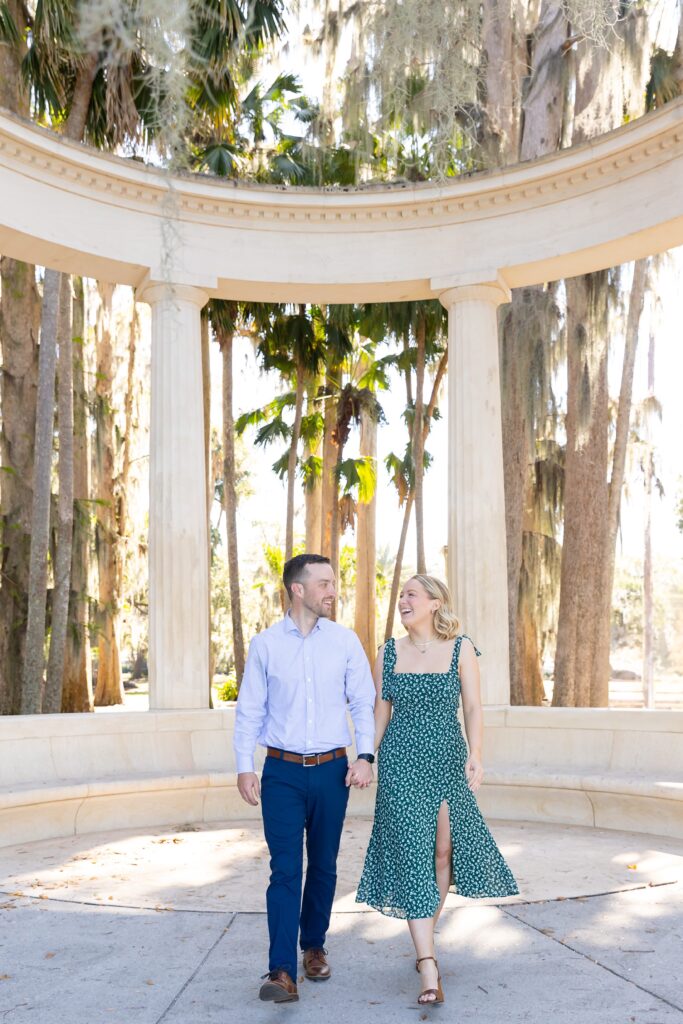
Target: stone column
178, 542
477, 561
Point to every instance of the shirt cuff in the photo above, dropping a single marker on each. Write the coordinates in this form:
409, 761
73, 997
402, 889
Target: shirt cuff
365, 744
245, 763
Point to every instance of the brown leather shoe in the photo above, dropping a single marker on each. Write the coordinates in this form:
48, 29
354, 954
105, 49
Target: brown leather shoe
278, 987
316, 967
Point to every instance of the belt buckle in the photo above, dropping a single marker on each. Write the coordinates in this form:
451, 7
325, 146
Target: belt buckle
313, 759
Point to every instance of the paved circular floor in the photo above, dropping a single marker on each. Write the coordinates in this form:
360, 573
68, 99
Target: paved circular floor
167, 926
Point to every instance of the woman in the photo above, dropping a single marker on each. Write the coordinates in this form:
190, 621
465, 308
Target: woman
428, 832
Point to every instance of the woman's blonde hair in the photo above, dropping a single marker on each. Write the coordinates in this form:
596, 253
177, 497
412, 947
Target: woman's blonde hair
446, 623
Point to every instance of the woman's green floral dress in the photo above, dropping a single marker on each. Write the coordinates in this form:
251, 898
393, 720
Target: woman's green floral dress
422, 763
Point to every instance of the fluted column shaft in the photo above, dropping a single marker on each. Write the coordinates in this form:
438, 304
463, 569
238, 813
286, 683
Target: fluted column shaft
178, 543
477, 561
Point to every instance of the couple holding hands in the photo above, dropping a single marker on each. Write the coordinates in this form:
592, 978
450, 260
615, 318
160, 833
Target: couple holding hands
428, 833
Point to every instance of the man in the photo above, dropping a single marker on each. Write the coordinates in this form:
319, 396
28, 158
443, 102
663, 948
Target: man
300, 676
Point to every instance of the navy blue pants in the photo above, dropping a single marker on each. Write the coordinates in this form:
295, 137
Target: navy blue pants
297, 800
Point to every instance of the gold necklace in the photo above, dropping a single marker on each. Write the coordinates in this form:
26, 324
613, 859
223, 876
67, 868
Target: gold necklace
425, 643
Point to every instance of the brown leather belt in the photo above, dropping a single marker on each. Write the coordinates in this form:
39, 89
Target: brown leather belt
307, 760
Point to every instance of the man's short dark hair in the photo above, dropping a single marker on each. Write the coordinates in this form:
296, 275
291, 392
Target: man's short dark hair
295, 569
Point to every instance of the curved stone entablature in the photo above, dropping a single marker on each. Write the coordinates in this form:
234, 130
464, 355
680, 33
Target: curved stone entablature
592, 206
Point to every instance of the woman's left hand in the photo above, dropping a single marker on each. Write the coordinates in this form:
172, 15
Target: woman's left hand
474, 772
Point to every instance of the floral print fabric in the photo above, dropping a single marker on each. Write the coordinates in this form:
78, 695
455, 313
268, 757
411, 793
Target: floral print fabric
421, 763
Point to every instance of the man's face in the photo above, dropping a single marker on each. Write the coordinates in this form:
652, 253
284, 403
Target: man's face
317, 590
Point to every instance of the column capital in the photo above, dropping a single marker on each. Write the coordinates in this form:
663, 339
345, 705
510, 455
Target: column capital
494, 292
154, 289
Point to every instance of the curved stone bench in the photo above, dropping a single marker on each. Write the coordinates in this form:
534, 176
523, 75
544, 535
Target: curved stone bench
62, 775
50, 810
636, 802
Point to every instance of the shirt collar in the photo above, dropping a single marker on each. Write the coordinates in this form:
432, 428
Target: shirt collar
291, 626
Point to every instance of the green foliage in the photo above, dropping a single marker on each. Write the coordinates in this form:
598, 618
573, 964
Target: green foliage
227, 690
9, 33
275, 430
663, 85
272, 409
311, 471
359, 477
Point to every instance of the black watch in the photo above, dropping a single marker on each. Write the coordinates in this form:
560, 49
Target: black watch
370, 758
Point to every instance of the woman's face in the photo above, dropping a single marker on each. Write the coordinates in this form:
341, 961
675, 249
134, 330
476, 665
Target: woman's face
415, 605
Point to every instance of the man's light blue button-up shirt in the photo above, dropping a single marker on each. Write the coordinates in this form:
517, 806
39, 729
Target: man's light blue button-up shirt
296, 690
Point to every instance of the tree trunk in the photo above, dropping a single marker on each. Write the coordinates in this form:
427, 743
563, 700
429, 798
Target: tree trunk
230, 503
74, 126
52, 702
529, 654
648, 588
398, 567
13, 92
329, 486
543, 107
419, 440
610, 85
600, 694
19, 328
365, 623
77, 689
514, 371
543, 124
505, 66
293, 459
314, 492
578, 659
34, 665
109, 689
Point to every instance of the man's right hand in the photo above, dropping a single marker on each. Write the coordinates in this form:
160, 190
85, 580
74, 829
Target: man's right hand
248, 786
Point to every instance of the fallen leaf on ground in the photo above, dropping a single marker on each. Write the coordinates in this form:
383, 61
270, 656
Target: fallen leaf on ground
48, 956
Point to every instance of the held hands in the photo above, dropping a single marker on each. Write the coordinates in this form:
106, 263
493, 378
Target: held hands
360, 774
248, 787
474, 772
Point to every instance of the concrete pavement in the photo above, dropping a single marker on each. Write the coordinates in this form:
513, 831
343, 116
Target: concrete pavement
167, 927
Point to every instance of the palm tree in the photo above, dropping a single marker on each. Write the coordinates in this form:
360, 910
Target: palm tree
419, 328
223, 317
77, 684
19, 327
52, 701
403, 477
31, 696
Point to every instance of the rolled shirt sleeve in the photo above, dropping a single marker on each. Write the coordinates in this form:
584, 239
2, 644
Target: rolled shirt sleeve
252, 706
360, 694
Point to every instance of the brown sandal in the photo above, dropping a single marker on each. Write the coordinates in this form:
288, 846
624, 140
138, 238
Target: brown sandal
436, 992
